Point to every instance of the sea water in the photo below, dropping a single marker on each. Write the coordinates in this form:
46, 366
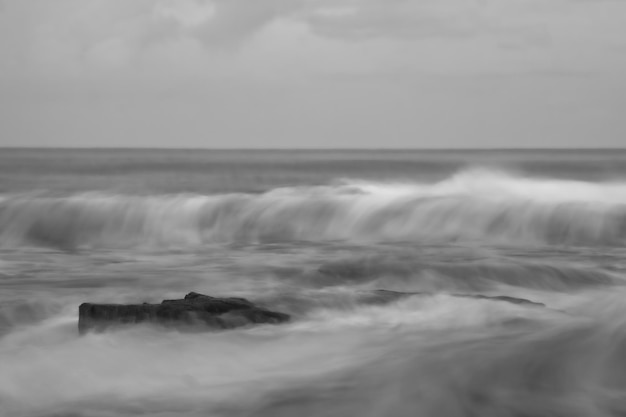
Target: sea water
308, 233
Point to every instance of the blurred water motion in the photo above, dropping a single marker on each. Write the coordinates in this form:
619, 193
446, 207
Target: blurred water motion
309, 233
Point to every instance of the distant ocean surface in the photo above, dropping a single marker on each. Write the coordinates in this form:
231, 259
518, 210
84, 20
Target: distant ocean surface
308, 233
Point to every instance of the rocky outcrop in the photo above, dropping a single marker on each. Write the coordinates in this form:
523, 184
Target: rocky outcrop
198, 311
193, 311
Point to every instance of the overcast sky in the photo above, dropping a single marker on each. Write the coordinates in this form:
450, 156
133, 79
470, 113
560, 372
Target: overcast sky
313, 73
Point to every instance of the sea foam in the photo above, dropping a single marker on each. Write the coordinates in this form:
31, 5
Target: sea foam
472, 205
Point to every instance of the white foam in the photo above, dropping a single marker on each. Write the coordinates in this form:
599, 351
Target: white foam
474, 204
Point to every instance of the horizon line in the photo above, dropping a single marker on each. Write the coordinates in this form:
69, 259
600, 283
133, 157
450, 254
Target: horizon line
367, 149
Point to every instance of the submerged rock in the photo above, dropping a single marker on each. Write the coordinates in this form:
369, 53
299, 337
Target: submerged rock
387, 296
505, 298
195, 310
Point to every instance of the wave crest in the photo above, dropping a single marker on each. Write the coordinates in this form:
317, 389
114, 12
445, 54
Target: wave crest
473, 205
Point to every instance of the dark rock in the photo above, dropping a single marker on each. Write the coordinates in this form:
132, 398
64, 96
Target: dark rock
195, 310
508, 299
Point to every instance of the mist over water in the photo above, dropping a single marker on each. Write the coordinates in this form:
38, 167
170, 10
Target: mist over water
314, 234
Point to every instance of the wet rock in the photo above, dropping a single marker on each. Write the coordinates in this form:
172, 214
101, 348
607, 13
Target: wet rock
387, 296
193, 311
508, 299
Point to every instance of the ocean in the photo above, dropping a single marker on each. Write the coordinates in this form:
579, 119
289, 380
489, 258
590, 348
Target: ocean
313, 234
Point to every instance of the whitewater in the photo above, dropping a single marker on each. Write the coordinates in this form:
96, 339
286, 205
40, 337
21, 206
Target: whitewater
315, 234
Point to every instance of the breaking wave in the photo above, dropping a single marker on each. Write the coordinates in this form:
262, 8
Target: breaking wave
472, 205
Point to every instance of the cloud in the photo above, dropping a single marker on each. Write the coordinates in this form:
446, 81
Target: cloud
70, 35
218, 22
73, 37
504, 20
395, 18
237, 20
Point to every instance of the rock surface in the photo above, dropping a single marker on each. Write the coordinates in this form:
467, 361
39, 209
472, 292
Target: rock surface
194, 311
387, 296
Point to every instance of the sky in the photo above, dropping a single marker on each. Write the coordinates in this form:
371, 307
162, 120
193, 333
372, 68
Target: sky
313, 73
